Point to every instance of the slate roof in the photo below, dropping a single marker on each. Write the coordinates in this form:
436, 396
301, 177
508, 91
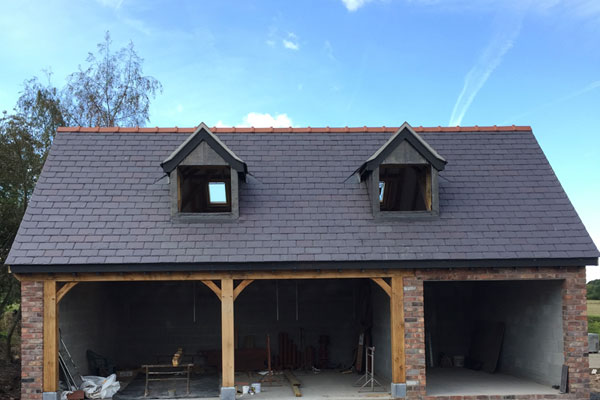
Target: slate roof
103, 198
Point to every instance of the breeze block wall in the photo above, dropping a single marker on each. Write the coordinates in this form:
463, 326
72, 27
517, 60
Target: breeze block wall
32, 339
574, 325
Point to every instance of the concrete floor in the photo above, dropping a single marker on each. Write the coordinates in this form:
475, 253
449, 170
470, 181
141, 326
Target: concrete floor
328, 384
462, 381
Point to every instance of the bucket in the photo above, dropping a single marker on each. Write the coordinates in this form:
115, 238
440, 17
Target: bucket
245, 389
458, 361
256, 387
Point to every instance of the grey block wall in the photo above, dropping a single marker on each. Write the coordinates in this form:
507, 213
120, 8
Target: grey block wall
531, 311
381, 332
132, 322
88, 320
533, 340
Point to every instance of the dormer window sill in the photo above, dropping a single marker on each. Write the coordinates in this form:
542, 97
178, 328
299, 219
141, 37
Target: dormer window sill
405, 215
217, 217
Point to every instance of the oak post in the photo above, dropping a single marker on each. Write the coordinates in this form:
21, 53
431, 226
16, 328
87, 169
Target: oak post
397, 326
227, 333
50, 380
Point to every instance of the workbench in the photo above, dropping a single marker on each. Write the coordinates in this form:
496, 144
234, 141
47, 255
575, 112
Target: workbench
167, 372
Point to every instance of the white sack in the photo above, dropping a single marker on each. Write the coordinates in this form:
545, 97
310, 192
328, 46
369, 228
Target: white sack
97, 387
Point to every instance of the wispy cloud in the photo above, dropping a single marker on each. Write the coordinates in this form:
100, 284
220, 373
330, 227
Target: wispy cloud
328, 50
116, 4
588, 88
291, 42
353, 5
502, 41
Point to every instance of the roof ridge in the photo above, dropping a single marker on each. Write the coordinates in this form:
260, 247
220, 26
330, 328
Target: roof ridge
308, 129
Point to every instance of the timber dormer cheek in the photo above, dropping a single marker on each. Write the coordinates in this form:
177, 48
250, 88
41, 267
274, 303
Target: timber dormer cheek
204, 178
402, 177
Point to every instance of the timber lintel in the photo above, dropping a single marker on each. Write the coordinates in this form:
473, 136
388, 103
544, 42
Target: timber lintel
210, 276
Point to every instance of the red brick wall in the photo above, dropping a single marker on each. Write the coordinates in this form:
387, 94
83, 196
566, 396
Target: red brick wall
32, 299
574, 325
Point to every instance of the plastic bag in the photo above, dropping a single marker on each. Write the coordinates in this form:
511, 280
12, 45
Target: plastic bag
97, 387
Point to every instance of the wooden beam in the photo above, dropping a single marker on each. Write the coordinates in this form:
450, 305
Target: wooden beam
50, 340
240, 287
384, 285
64, 290
213, 286
227, 333
397, 334
202, 276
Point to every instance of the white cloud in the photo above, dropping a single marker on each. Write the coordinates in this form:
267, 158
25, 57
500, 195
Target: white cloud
353, 5
266, 120
291, 42
290, 45
502, 41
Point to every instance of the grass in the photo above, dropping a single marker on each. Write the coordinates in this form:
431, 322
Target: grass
593, 307
593, 316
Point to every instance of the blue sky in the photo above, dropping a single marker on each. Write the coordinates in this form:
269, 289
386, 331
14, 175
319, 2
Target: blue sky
344, 62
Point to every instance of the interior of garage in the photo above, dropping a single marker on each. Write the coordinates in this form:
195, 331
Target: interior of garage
312, 328
493, 337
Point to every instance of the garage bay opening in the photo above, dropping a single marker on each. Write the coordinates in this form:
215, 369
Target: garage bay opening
493, 337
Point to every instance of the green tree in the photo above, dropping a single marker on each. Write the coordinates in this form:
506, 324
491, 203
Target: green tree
40, 109
111, 90
593, 290
21, 157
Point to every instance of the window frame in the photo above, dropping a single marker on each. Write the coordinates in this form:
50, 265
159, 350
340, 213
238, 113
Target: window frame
432, 191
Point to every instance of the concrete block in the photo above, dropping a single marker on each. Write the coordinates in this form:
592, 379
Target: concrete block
398, 390
227, 393
50, 396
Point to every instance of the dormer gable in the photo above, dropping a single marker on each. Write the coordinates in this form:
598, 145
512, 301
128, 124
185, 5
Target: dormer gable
402, 176
204, 147
204, 177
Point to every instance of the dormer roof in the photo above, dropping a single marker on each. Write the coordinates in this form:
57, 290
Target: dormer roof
203, 134
404, 133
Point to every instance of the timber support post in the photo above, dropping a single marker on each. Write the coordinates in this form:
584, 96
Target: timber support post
50, 342
228, 390
397, 326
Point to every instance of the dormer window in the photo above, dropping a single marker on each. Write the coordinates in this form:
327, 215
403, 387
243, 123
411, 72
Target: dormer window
404, 188
204, 178
204, 189
402, 177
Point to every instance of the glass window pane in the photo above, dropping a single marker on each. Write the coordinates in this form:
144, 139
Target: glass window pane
217, 192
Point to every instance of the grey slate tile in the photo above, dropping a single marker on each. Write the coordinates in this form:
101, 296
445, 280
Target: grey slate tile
101, 199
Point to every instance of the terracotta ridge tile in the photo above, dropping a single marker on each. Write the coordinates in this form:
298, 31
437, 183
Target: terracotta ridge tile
307, 129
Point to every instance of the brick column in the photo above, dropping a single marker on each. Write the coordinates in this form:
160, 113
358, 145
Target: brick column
414, 325
575, 333
32, 335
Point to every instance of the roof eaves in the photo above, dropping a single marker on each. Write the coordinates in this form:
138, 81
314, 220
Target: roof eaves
305, 265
